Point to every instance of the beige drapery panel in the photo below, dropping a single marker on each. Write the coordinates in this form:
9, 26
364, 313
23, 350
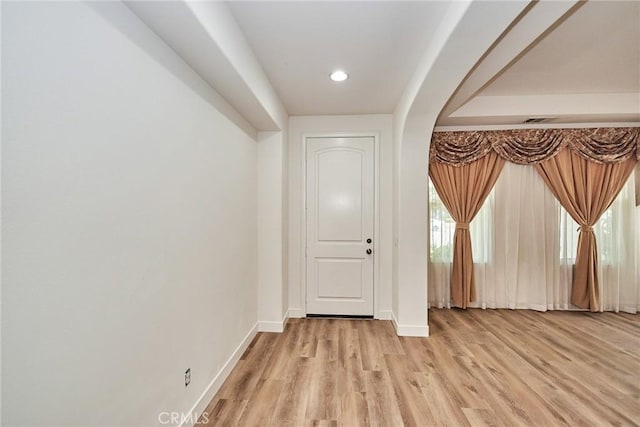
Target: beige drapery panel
585, 189
588, 157
463, 190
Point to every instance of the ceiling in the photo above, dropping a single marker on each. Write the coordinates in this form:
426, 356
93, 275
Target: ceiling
585, 68
567, 61
378, 43
594, 48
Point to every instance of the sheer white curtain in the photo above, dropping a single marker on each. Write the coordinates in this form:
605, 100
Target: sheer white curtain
524, 246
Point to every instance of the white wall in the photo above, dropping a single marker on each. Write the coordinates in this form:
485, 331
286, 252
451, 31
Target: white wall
411, 153
380, 124
285, 220
1, 222
129, 221
466, 32
271, 279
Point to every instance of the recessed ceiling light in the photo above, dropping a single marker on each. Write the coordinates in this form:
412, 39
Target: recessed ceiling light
339, 76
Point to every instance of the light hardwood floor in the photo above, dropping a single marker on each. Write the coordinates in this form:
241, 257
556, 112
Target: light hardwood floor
478, 367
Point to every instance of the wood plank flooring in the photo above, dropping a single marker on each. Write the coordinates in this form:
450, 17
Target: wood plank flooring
478, 368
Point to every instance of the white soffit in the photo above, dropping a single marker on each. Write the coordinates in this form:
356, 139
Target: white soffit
378, 43
205, 35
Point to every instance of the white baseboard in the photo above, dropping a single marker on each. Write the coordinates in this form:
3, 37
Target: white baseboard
273, 326
219, 379
409, 330
385, 315
296, 313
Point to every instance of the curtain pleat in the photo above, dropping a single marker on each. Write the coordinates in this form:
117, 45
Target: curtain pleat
463, 191
532, 146
528, 146
459, 148
606, 145
585, 189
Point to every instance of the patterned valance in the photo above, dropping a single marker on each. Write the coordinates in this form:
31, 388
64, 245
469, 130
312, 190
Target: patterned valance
532, 146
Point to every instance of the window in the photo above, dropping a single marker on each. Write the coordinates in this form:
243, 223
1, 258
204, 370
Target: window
605, 229
442, 228
524, 248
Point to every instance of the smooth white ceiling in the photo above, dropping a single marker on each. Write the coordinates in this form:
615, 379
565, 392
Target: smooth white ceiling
585, 68
595, 50
300, 43
569, 60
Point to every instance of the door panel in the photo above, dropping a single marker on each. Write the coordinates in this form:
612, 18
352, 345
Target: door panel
339, 198
340, 277
340, 181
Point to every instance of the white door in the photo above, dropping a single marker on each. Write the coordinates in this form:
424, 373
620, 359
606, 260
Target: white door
339, 246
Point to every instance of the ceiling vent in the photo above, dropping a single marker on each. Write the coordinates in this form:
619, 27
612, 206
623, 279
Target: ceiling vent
536, 120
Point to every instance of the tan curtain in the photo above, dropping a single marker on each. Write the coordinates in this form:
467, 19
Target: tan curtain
463, 190
585, 189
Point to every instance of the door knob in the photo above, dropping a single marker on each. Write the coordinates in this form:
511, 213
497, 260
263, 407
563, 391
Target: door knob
368, 240
369, 251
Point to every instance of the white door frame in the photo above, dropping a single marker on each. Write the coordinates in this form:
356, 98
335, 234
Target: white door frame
376, 212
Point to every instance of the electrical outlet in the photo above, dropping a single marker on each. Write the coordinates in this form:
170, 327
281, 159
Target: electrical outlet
187, 377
